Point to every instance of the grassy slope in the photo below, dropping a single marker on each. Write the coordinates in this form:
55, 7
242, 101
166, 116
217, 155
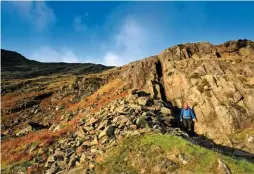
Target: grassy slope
143, 154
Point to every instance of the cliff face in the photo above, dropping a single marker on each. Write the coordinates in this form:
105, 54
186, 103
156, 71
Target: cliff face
216, 80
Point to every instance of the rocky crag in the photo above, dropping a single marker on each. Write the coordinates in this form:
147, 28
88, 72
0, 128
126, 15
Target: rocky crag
65, 123
217, 81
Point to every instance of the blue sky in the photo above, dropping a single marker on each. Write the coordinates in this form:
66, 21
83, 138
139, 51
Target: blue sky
116, 33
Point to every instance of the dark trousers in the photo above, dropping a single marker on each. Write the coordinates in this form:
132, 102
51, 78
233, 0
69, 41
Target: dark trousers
188, 126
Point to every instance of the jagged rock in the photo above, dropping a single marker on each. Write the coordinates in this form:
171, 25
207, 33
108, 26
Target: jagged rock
40, 151
52, 127
104, 140
182, 158
69, 152
142, 101
80, 133
91, 121
122, 120
91, 166
193, 73
165, 111
93, 150
223, 167
72, 161
157, 127
50, 161
24, 131
83, 158
103, 124
249, 141
53, 169
132, 133
58, 155
61, 165
58, 108
75, 99
57, 128
109, 131
95, 141
33, 147
141, 122
133, 126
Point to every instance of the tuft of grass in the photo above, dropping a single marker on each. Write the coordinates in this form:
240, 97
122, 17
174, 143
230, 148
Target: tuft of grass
16, 167
142, 154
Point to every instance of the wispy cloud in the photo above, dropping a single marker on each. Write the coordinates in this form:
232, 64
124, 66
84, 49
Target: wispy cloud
128, 43
48, 54
37, 14
78, 24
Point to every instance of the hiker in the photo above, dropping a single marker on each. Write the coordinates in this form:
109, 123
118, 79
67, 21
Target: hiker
188, 118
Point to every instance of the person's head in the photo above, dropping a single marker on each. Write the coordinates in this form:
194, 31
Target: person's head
185, 106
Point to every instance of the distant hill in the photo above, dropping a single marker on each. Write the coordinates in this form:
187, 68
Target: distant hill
15, 65
13, 58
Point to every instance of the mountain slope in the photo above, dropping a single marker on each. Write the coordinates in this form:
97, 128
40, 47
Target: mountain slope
66, 122
15, 66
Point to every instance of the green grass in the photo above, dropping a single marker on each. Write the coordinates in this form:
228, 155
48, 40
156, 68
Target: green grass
145, 152
16, 167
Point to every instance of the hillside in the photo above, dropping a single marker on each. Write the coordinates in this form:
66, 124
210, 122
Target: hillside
16, 66
126, 119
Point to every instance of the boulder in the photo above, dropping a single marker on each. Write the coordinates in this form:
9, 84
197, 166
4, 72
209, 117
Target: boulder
141, 122
58, 108
142, 101
24, 131
72, 161
165, 111
223, 168
108, 131
80, 133
183, 158
249, 141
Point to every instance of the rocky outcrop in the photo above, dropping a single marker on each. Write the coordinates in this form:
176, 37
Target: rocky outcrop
216, 80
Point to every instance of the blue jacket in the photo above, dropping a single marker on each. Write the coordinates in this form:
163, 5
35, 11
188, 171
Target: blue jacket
187, 114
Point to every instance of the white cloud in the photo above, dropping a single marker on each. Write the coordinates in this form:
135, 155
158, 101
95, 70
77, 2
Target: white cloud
37, 14
78, 24
132, 41
69, 56
111, 59
47, 54
128, 44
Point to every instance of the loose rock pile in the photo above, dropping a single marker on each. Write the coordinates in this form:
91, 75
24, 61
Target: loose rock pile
81, 88
133, 115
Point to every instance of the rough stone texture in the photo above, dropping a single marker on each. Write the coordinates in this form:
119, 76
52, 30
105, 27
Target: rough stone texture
102, 130
216, 80
223, 167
